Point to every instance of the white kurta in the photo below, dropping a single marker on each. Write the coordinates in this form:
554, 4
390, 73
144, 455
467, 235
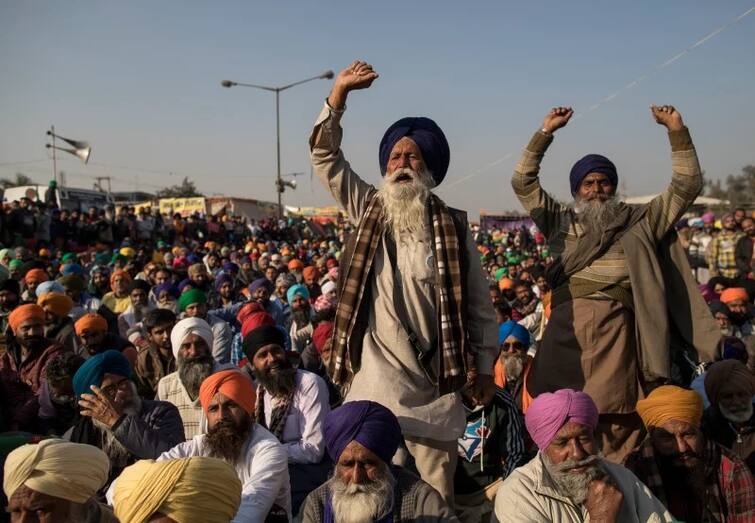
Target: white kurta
390, 373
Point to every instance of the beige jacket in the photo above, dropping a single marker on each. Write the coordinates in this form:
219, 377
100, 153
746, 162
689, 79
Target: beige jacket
530, 495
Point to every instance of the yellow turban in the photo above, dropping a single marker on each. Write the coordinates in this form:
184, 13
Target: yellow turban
669, 402
188, 489
58, 304
58, 468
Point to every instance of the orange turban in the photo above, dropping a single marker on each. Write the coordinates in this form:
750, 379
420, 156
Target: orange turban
294, 265
23, 313
35, 276
310, 273
669, 402
121, 272
59, 304
91, 322
505, 283
734, 294
232, 384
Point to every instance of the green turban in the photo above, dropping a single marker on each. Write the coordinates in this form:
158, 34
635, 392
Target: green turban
189, 297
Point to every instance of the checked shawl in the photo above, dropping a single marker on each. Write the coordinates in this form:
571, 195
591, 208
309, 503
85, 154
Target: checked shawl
451, 337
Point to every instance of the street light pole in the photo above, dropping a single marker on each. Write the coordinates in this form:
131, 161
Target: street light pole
279, 186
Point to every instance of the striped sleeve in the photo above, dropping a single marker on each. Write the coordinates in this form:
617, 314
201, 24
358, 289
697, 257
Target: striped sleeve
512, 446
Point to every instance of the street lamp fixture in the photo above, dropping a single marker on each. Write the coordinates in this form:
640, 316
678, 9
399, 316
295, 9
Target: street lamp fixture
280, 185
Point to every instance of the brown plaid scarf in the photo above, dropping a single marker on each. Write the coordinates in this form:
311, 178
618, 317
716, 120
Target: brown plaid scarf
452, 341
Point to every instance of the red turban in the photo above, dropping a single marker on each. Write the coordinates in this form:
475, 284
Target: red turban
254, 320
322, 334
295, 265
22, 313
248, 309
232, 384
734, 294
35, 276
91, 322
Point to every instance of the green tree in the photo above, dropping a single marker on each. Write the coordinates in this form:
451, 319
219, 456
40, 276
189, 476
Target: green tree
186, 189
738, 189
21, 179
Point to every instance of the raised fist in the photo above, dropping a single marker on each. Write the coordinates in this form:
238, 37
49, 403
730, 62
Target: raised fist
557, 118
667, 116
358, 75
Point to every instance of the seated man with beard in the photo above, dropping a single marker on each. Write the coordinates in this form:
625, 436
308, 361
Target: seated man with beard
115, 419
134, 314
259, 459
22, 367
513, 364
191, 339
730, 419
567, 481
301, 316
362, 437
58, 325
697, 479
189, 489
738, 302
292, 405
621, 287
58, 480
94, 338
525, 304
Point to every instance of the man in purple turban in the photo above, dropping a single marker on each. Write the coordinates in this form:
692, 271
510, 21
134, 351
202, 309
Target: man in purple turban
361, 438
414, 309
567, 478
623, 291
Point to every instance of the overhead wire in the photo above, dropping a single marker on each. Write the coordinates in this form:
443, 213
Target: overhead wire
617, 93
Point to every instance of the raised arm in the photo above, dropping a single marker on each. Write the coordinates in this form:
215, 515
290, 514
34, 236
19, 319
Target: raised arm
328, 162
544, 210
686, 178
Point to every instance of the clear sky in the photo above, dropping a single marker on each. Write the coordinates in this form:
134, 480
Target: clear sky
141, 81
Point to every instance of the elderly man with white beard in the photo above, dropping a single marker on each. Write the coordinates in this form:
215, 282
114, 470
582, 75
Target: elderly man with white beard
191, 339
568, 481
115, 419
413, 308
624, 301
361, 437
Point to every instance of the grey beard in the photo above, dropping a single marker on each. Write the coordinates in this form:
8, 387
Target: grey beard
740, 416
572, 485
301, 317
364, 502
192, 373
118, 454
404, 204
513, 366
594, 215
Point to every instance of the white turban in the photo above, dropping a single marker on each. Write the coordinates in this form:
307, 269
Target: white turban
190, 326
327, 287
58, 468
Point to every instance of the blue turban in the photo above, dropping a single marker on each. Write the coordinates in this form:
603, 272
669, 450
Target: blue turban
165, 287
592, 163
512, 328
93, 369
261, 282
72, 268
428, 137
366, 422
299, 289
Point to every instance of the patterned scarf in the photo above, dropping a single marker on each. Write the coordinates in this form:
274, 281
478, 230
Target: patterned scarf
448, 295
277, 416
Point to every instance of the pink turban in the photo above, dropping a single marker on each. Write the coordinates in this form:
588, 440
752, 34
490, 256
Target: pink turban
552, 410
